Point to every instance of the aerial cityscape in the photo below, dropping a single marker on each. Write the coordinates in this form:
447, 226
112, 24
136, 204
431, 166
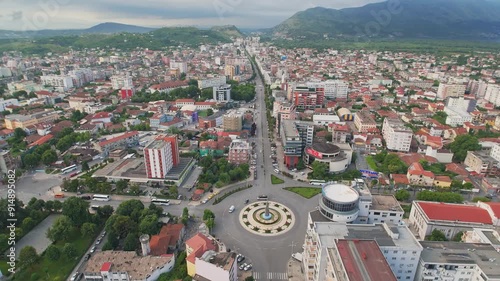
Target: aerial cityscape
249, 141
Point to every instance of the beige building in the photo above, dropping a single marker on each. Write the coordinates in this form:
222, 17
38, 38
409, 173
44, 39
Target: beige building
397, 137
481, 163
239, 152
450, 90
232, 122
364, 122
14, 121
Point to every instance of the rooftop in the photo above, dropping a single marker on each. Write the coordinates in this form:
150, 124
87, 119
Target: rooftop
137, 267
290, 130
223, 260
385, 203
363, 260
326, 148
340, 193
484, 255
454, 212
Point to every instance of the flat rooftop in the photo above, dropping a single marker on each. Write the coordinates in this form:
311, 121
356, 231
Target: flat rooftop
363, 260
290, 130
385, 203
137, 267
223, 260
156, 144
484, 255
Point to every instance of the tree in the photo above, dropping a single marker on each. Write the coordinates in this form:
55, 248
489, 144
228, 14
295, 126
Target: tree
320, 170
210, 112
28, 224
208, 214
131, 208
185, 215
301, 165
31, 160
57, 206
53, 253
481, 199
85, 166
249, 278
462, 144
437, 235
76, 209
69, 250
28, 256
458, 237
121, 185
402, 195
60, 230
88, 229
131, 242
19, 134
49, 157
446, 197
105, 211
149, 225
123, 225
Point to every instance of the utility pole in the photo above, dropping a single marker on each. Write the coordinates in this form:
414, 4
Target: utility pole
292, 245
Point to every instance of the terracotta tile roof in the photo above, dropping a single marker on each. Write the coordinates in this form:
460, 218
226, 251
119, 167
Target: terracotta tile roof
455, 212
457, 169
417, 169
495, 207
200, 244
124, 136
400, 179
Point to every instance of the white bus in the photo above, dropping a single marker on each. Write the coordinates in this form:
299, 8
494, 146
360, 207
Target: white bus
68, 169
158, 201
317, 182
100, 197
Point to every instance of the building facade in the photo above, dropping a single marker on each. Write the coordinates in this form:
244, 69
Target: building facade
364, 122
239, 152
295, 136
308, 98
222, 93
397, 136
233, 122
450, 90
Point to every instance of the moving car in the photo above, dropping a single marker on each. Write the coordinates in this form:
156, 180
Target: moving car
262, 197
232, 208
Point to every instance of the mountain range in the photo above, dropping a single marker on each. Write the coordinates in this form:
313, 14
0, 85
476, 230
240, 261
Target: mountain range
450, 19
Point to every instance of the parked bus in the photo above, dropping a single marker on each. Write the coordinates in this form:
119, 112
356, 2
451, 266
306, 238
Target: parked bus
100, 197
68, 169
158, 201
317, 182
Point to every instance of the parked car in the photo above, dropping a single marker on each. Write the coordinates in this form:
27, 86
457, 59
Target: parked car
92, 250
204, 201
240, 258
73, 278
86, 197
248, 267
242, 266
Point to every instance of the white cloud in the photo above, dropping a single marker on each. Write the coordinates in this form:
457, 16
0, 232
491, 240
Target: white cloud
67, 14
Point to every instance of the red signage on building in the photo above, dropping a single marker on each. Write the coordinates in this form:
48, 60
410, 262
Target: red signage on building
314, 153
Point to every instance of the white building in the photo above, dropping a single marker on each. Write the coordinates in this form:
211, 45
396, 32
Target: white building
61, 83
158, 157
123, 81
325, 119
456, 116
182, 66
4, 103
455, 261
217, 266
333, 89
450, 90
397, 244
493, 94
396, 135
81, 76
212, 82
222, 94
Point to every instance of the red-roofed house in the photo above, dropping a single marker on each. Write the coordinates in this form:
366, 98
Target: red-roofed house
168, 86
195, 248
102, 117
400, 179
42, 140
447, 218
169, 238
418, 176
123, 141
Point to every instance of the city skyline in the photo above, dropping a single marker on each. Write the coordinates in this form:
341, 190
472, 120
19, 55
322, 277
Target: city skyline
68, 14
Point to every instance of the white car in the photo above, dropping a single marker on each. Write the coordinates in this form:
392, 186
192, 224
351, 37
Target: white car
92, 250
204, 201
73, 278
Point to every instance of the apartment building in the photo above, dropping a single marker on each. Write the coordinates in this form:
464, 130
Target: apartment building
333, 89
418, 176
222, 93
4, 103
122, 81
455, 261
492, 94
60, 83
284, 111
239, 152
160, 156
295, 136
196, 246
364, 121
460, 103
398, 248
212, 82
125, 140
215, 266
212, 121
180, 65
341, 133
447, 218
482, 163
450, 90
14, 121
396, 135
308, 98
232, 122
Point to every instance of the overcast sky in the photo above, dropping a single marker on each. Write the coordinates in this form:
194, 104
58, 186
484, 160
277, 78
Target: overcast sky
67, 14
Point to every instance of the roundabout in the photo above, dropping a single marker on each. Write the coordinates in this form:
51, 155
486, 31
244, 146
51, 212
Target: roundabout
266, 218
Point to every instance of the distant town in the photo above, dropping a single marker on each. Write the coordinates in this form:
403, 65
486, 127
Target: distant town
246, 161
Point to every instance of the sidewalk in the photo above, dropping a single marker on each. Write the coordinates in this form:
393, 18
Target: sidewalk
295, 270
221, 190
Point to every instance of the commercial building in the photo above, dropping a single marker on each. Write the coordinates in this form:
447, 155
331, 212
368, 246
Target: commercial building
212, 82
450, 90
447, 218
398, 248
455, 261
160, 156
213, 266
295, 136
333, 89
308, 98
122, 81
126, 266
364, 122
239, 152
337, 157
396, 135
355, 204
222, 93
325, 119
232, 122
60, 83
482, 163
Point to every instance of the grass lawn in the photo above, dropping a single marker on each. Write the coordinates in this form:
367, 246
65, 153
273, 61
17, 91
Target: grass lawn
306, 192
59, 270
371, 163
276, 180
202, 113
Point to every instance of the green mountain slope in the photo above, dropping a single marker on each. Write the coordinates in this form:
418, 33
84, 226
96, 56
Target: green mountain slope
457, 19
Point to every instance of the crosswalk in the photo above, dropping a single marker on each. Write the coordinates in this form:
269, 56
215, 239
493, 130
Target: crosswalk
269, 276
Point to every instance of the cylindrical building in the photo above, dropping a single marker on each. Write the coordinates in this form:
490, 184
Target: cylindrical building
145, 244
339, 203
